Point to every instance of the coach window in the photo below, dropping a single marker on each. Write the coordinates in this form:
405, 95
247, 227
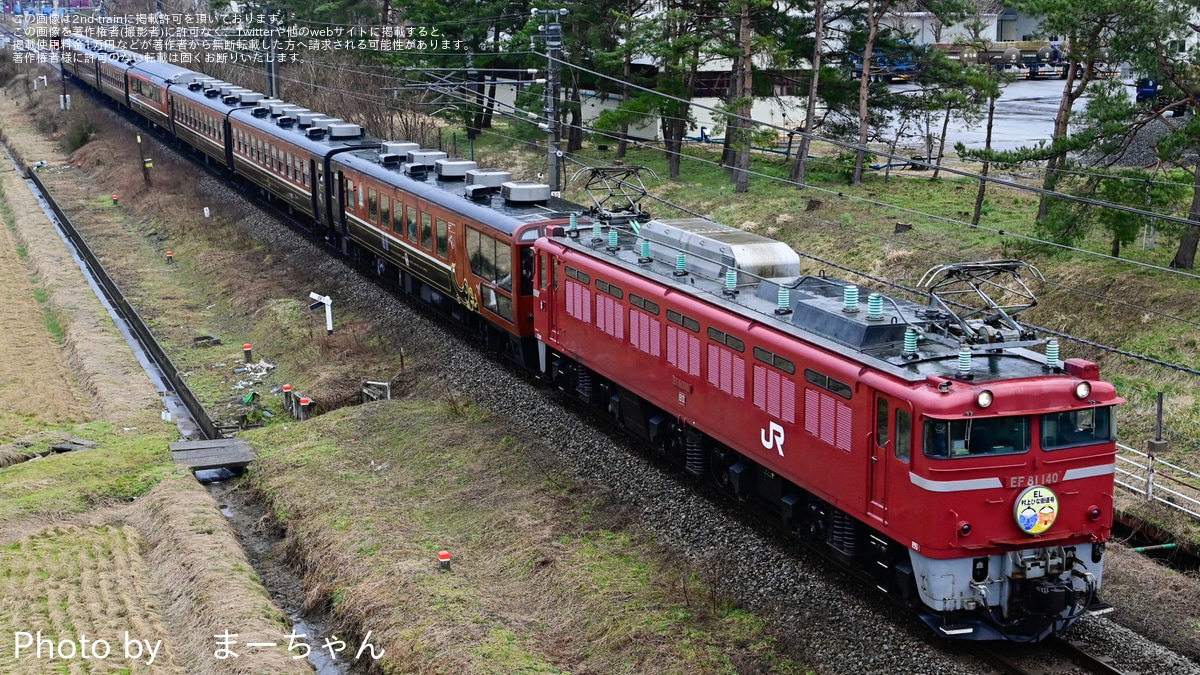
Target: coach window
372, 205
527, 257
426, 231
903, 435
287, 170
385, 212
411, 212
442, 237
881, 423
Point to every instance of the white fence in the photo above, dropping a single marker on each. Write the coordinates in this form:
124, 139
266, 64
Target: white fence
1159, 480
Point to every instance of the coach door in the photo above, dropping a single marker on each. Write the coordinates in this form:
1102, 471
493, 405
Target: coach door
547, 287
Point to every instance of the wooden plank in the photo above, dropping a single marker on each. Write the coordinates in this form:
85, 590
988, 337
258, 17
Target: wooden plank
213, 461
213, 454
215, 443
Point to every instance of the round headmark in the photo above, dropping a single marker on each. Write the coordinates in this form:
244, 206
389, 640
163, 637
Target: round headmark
1035, 509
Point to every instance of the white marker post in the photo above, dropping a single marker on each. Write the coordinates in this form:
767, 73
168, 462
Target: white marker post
328, 302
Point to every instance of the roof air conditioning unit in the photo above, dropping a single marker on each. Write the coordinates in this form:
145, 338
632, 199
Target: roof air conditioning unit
389, 159
315, 133
261, 111
454, 169
285, 121
305, 120
344, 130
398, 148
492, 178
251, 97
427, 157
417, 171
524, 192
479, 193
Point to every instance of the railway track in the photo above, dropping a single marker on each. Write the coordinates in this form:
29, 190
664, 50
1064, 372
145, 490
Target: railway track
1049, 658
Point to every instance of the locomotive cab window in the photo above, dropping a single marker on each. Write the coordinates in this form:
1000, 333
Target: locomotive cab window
976, 437
1078, 427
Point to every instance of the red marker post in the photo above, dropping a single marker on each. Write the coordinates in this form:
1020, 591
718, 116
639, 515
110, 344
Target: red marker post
443, 561
246, 352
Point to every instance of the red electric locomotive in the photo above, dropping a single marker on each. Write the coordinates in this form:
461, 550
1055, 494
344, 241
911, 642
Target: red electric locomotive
930, 449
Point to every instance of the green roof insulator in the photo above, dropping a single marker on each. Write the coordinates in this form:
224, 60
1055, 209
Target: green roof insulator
910, 342
850, 299
874, 307
1052, 354
680, 265
597, 233
784, 298
731, 282
645, 257
964, 359
614, 243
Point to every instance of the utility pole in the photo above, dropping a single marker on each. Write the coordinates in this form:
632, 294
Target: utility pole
552, 34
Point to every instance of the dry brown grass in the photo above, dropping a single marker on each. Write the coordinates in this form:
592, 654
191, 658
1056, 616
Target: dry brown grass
1160, 603
71, 581
207, 585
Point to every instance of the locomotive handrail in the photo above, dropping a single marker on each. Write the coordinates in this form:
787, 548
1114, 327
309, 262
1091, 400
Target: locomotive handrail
1148, 476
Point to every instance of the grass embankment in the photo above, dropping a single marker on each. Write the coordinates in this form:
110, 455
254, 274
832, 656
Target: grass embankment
543, 579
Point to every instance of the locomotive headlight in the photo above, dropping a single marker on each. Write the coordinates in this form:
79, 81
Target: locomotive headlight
984, 399
1082, 390
964, 528
1094, 513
